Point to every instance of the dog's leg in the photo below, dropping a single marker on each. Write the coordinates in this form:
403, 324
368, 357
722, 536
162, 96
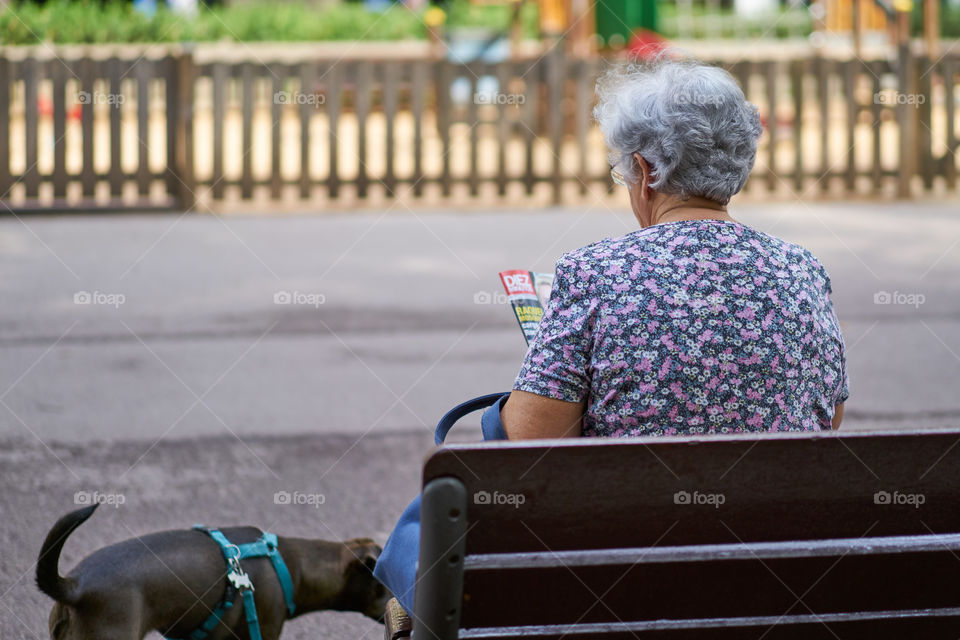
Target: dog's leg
117, 616
271, 630
87, 628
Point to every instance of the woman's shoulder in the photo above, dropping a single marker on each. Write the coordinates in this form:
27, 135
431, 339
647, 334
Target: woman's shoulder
792, 252
644, 249
610, 248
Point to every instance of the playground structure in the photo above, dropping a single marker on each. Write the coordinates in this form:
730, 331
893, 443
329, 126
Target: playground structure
863, 19
591, 27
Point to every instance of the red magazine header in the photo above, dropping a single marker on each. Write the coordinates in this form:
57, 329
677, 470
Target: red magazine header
517, 283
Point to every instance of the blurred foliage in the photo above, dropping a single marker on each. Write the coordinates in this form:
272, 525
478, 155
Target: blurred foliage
495, 17
949, 20
96, 21
93, 21
90, 21
784, 23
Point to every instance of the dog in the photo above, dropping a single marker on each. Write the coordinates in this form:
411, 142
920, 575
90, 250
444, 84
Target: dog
172, 580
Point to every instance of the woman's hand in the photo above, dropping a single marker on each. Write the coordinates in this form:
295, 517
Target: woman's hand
528, 416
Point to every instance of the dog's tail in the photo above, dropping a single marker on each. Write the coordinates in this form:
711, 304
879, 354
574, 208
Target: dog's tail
48, 572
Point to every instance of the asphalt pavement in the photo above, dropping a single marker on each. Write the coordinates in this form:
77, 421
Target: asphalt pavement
193, 366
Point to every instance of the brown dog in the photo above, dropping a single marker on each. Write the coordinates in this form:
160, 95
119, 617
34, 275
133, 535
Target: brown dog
171, 581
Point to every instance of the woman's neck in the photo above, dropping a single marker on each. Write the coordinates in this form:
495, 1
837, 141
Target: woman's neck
695, 208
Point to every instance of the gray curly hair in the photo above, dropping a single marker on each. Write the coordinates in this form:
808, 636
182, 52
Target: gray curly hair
689, 120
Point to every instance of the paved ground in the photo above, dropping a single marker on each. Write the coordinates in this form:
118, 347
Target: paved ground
199, 397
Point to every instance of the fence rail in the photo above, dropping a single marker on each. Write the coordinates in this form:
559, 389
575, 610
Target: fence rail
174, 132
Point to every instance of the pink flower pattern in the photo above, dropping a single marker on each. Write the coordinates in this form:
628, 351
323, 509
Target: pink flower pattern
691, 327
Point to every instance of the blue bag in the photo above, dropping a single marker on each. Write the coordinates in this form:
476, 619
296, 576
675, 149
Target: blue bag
396, 567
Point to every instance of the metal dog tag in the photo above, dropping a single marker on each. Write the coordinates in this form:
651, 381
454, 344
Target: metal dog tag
240, 580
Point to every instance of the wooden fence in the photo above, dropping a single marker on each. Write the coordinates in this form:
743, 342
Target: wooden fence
177, 132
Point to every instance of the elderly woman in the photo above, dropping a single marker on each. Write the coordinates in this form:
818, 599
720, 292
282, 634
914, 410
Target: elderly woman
695, 323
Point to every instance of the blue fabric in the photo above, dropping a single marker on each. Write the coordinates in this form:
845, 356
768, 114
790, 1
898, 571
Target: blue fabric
396, 567
462, 409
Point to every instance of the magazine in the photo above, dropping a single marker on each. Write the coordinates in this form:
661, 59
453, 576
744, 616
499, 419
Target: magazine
528, 293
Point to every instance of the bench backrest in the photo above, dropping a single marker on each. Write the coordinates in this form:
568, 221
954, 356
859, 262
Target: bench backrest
847, 535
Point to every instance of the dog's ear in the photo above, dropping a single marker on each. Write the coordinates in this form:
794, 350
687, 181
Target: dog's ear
365, 593
361, 553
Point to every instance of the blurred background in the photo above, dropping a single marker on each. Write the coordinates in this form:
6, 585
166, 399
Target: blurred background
249, 249
331, 104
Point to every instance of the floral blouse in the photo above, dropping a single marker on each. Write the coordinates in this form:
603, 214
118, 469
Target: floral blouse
690, 327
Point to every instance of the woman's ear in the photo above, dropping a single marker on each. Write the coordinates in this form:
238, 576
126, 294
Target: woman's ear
643, 174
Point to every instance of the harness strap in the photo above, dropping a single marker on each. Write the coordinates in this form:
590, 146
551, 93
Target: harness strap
250, 609
215, 616
264, 547
280, 567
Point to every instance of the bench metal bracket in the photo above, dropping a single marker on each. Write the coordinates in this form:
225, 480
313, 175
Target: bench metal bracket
439, 591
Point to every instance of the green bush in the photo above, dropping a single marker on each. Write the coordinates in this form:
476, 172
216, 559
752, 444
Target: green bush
86, 21
495, 17
949, 20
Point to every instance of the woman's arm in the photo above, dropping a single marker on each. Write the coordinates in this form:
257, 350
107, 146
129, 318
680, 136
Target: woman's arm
528, 416
837, 416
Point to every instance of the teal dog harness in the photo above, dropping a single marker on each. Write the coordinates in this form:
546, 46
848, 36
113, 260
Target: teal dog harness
238, 580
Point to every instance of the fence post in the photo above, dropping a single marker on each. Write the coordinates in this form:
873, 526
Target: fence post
183, 160
6, 180
924, 119
556, 81
906, 121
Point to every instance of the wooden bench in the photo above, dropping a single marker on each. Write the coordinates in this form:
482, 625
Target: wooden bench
814, 536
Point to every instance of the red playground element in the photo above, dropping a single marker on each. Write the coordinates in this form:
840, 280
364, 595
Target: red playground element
645, 45
45, 108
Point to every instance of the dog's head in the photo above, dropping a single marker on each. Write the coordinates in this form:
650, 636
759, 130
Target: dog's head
361, 591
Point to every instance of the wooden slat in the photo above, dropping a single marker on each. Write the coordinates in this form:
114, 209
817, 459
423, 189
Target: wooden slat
851, 71
743, 71
531, 73
876, 109
948, 68
418, 89
925, 163
185, 75
333, 83
823, 69
391, 75
7, 76
277, 74
503, 128
473, 119
771, 73
58, 73
219, 77
363, 97
557, 77
797, 71
697, 553
247, 104
894, 625
116, 113
88, 175
584, 98
308, 83
443, 78
726, 587
31, 79
906, 121
143, 70
772, 486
